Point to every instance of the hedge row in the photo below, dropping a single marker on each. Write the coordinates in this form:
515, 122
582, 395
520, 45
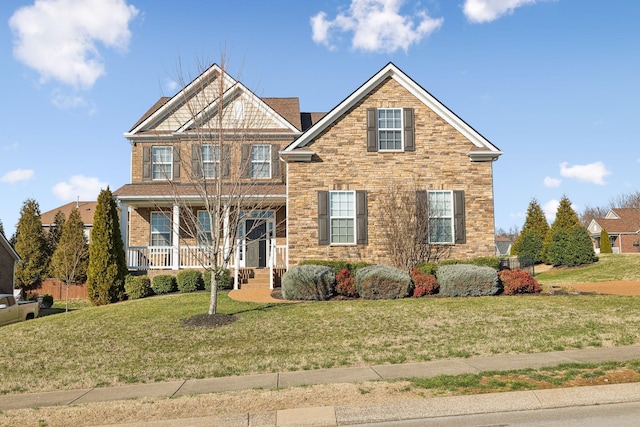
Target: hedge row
185, 281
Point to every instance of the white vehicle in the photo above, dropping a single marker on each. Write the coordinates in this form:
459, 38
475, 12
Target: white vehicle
12, 311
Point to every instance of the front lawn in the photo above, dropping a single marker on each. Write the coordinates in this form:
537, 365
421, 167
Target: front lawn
608, 267
145, 341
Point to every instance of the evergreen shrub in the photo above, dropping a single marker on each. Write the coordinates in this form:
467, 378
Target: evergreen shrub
47, 301
190, 281
605, 242
424, 284
382, 282
493, 262
518, 282
225, 281
137, 286
308, 282
427, 267
463, 280
346, 283
531, 246
164, 284
336, 266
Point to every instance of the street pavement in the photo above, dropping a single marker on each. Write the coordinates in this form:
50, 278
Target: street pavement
421, 409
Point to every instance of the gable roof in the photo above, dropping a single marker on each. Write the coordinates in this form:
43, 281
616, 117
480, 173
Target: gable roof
284, 113
618, 220
486, 151
87, 209
5, 243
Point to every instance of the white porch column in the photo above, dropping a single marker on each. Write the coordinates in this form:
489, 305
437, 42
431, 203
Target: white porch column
175, 237
225, 233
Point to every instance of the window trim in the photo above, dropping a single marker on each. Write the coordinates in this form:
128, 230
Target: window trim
253, 162
200, 232
155, 163
451, 217
352, 217
215, 149
399, 129
167, 215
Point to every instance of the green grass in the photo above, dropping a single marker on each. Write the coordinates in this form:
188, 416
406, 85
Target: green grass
144, 340
609, 267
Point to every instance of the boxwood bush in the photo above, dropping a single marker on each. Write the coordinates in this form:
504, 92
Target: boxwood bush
137, 286
190, 281
308, 282
225, 281
464, 280
164, 284
382, 282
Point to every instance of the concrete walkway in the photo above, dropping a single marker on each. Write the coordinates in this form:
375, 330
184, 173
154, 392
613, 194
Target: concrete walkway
342, 415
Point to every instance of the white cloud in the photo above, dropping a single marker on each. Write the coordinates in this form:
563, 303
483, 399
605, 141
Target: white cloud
550, 208
171, 86
377, 26
17, 175
86, 188
593, 172
65, 102
59, 38
480, 11
552, 182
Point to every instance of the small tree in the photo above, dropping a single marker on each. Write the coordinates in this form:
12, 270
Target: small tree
531, 246
535, 221
69, 261
580, 249
31, 247
107, 267
566, 220
605, 243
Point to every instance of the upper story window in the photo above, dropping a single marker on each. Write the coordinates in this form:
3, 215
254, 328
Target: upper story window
161, 162
160, 229
211, 161
390, 129
342, 216
260, 166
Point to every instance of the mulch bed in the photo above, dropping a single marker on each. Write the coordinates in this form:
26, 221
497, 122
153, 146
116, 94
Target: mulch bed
209, 320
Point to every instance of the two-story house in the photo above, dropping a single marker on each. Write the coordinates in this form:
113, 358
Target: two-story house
314, 184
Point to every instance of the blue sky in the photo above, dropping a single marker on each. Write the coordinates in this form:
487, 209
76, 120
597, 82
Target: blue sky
553, 84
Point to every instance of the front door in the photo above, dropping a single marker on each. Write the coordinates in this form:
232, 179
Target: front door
256, 243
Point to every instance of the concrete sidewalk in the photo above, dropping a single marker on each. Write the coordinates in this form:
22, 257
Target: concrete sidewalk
341, 415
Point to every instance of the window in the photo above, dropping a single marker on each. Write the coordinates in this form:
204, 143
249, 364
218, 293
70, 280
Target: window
160, 229
161, 162
204, 228
389, 129
342, 214
440, 216
211, 161
260, 161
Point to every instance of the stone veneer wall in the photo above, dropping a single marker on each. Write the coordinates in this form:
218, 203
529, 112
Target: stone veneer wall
342, 162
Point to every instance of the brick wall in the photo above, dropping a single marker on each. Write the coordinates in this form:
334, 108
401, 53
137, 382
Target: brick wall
440, 161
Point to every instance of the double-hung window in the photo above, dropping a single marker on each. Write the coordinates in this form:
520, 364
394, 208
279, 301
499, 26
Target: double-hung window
260, 166
211, 161
161, 162
204, 228
160, 229
390, 129
342, 212
440, 216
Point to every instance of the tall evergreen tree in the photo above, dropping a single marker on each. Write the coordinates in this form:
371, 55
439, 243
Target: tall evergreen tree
535, 222
566, 217
605, 243
52, 237
107, 267
69, 261
565, 243
30, 245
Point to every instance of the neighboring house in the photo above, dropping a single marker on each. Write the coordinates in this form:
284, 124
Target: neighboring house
324, 175
622, 226
86, 209
8, 258
503, 246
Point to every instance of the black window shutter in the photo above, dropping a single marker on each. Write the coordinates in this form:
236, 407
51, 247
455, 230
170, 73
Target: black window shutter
176, 162
196, 161
323, 217
275, 161
146, 163
422, 216
225, 161
361, 218
372, 130
409, 130
245, 163
459, 217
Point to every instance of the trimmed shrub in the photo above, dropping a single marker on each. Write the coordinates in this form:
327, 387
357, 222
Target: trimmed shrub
427, 267
137, 286
463, 280
190, 281
346, 283
382, 282
164, 284
518, 282
492, 262
605, 242
424, 284
308, 282
336, 266
225, 281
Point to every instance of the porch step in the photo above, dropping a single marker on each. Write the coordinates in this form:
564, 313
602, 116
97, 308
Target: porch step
255, 278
